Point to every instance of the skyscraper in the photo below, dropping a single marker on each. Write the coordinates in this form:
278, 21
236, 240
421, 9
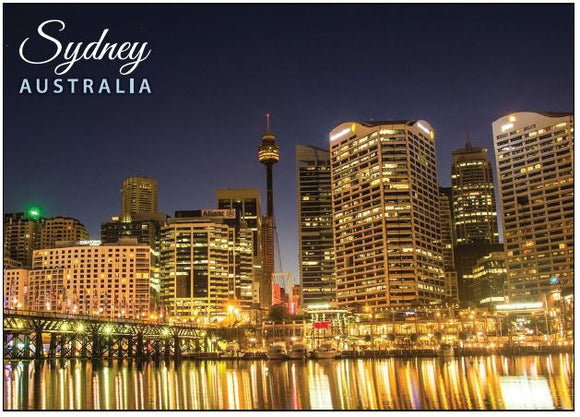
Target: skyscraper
447, 240
61, 229
534, 159
315, 242
21, 237
474, 211
246, 202
138, 196
203, 259
386, 214
269, 155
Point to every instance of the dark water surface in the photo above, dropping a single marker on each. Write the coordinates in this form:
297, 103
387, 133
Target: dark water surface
491, 382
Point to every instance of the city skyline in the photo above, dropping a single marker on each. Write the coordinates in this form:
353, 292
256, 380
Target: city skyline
79, 151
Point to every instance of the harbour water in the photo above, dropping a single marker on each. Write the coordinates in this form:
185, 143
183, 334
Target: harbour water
466, 383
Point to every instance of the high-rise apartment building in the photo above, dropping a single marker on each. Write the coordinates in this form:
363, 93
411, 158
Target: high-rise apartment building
109, 280
61, 229
246, 202
386, 214
205, 262
139, 195
15, 287
535, 160
21, 237
447, 240
145, 231
315, 242
474, 210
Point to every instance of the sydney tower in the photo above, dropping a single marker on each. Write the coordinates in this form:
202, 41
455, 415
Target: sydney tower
268, 154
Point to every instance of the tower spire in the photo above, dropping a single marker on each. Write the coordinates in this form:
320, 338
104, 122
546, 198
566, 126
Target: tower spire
267, 122
467, 140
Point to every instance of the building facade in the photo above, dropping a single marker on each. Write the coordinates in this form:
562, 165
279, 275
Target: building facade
315, 241
205, 262
474, 209
488, 279
535, 165
386, 214
21, 237
110, 280
447, 241
61, 229
246, 202
15, 287
139, 195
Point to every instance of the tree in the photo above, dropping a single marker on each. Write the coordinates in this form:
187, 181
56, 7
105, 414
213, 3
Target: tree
438, 336
414, 337
463, 336
278, 313
391, 337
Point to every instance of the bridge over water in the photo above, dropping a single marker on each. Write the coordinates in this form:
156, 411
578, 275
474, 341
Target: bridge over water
37, 335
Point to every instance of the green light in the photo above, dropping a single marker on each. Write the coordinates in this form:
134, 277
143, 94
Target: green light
33, 213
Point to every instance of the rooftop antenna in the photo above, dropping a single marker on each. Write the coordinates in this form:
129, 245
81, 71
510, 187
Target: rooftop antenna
267, 122
467, 141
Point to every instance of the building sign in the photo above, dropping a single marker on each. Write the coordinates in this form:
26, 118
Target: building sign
90, 242
322, 325
226, 214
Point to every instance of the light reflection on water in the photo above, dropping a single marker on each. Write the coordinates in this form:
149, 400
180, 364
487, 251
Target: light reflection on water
492, 382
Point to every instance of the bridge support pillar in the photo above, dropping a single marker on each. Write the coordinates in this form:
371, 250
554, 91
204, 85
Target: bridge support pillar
167, 350
110, 347
52, 347
140, 348
176, 347
38, 347
96, 348
120, 347
130, 346
62, 345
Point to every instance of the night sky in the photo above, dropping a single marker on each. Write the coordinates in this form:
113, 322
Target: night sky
215, 70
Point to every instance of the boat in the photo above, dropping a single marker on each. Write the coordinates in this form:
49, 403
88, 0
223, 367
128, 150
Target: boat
298, 351
446, 351
326, 350
277, 351
232, 351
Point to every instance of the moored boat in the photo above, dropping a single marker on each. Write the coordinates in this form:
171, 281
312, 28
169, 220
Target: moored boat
277, 351
326, 350
298, 351
446, 351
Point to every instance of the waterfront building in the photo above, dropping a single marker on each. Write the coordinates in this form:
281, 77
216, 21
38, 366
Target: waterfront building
246, 202
61, 229
447, 240
488, 279
15, 287
466, 256
474, 210
206, 263
146, 231
89, 278
268, 155
386, 214
21, 236
139, 195
315, 242
534, 160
